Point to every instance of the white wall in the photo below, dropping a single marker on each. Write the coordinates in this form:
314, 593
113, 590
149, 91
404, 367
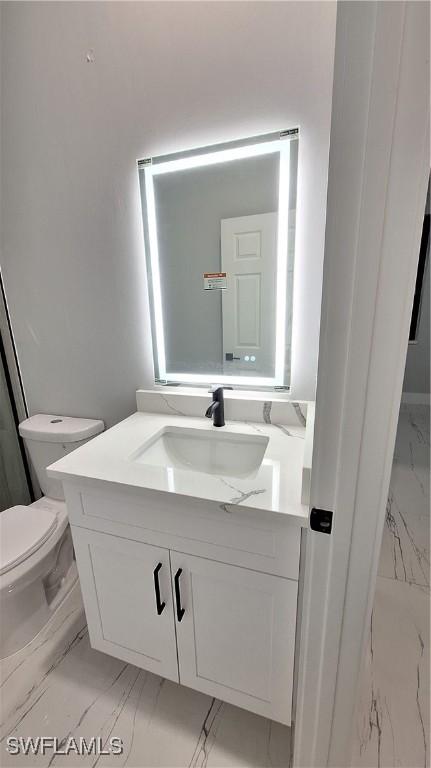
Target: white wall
161, 77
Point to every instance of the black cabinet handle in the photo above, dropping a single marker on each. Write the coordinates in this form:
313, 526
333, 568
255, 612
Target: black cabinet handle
159, 604
180, 610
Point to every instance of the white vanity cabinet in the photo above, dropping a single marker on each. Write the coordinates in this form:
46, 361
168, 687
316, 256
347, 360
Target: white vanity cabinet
159, 594
236, 638
118, 578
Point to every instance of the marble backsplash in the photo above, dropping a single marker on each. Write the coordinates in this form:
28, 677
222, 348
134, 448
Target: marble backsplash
239, 406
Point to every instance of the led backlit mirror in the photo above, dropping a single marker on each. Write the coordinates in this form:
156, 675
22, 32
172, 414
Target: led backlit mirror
219, 228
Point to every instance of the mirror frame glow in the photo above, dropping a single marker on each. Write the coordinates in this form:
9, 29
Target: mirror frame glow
274, 143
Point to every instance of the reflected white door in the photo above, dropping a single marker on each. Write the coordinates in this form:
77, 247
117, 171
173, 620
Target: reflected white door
249, 257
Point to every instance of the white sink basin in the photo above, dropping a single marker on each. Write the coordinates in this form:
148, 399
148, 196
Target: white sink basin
199, 450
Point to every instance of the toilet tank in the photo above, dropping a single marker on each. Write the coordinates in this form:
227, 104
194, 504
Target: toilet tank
48, 438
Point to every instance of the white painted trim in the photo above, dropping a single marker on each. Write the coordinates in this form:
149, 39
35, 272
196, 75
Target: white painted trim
14, 371
416, 398
376, 193
11, 356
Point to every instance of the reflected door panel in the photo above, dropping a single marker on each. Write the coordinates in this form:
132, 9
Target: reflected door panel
249, 257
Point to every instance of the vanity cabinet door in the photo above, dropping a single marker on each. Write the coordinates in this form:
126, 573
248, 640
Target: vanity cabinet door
128, 600
236, 634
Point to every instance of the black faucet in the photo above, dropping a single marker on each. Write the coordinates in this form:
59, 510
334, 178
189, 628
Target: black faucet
216, 410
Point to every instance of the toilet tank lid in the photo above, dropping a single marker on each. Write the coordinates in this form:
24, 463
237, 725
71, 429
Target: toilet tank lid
59, 429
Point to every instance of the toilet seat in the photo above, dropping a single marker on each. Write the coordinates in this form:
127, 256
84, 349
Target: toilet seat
23, 530
37, 569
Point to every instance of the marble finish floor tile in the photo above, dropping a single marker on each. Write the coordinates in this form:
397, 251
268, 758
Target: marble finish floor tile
393, 720
405, 554
59, 686
393, 715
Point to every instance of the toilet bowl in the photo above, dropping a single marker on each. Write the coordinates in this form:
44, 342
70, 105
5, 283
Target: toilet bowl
37, 565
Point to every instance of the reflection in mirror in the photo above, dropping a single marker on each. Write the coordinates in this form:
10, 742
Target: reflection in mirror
219, 226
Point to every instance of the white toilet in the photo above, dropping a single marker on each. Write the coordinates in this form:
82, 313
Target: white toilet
37, 566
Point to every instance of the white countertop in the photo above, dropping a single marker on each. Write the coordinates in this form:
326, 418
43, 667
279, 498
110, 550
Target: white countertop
274, 487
